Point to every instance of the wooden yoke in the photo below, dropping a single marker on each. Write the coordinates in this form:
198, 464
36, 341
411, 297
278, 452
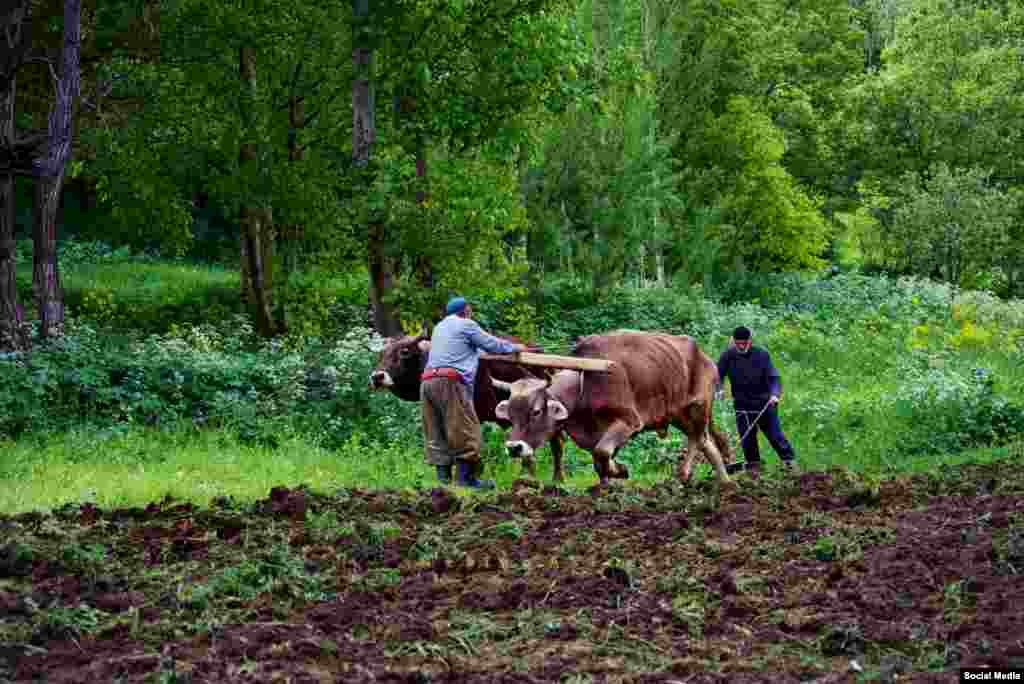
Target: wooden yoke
552, 361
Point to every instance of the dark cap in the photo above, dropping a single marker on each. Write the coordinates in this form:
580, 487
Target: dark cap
741, 333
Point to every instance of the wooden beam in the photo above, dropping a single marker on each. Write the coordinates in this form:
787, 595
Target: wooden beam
552, 361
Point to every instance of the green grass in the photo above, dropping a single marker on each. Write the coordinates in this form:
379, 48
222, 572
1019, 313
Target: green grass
139, 466
149, 295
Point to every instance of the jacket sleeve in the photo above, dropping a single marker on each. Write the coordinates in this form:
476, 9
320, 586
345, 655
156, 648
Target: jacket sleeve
482, 340
774, 378
723, 367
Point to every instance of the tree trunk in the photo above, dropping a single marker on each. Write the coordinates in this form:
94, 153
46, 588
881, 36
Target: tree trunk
536, 247
382, 281
50, 171
46, 287
424, 265
364, 135
257, 231
290, 235
12, 335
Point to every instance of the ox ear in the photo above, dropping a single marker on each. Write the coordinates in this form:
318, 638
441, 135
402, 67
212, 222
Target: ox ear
501, 410
557, 410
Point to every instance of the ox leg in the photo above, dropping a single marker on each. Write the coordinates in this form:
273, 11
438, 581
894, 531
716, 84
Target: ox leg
617, 434
685, 468
722, 442
529, 466
557, 444
703, 437
712, 453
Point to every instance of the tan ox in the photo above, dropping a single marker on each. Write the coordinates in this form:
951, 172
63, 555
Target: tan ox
658, 380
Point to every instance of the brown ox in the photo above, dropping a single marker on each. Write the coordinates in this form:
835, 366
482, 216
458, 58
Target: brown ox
403, 359
658, 380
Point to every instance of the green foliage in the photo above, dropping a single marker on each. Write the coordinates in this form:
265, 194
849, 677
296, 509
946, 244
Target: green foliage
459, 230
748, 98
825, 548
603, 178
938, 116
63, 622
278, 571
139, 294
953, 222
945, 409
205, 375
766, 218
86, 560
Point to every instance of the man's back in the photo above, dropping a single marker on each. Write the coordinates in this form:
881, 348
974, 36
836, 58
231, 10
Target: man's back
753, 377
455, 343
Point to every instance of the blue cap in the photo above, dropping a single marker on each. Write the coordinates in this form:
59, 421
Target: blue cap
455, 305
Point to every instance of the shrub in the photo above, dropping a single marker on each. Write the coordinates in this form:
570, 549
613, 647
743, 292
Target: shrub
946, 410
205, 375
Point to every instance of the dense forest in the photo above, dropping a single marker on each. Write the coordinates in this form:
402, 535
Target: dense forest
485, 145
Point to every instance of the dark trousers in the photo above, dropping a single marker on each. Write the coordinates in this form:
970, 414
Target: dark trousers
767, 423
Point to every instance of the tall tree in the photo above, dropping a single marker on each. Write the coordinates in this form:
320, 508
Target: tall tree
248, 147
381, 265
949, 95
459, 75
255, 216
754, 66
50, 173
15, 20
952, 224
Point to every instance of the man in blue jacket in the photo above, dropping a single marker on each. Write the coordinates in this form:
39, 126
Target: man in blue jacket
756, 390
451, 428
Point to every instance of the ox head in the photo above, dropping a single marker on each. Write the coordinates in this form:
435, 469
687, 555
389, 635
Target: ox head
535, 414
400, 364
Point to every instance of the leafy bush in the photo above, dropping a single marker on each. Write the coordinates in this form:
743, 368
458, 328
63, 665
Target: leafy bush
207, 376
946, 410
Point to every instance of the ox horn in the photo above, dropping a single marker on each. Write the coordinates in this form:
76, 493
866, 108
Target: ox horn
501, 384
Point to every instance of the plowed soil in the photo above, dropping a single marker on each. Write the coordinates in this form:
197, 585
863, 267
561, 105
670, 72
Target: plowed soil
823, 576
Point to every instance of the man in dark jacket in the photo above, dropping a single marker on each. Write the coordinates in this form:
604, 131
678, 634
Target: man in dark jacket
756, 390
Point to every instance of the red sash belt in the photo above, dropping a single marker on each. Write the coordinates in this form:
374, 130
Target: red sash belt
441, 373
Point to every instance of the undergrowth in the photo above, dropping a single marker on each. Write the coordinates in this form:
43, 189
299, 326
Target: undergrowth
879, 374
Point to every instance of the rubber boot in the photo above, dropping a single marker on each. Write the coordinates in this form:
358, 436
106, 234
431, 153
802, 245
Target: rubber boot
444, 474
467, 476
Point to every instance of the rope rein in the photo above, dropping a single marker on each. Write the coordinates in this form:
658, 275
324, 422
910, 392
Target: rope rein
752, 424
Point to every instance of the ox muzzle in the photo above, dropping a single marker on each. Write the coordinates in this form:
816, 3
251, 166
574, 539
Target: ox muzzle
380, 379
518, 449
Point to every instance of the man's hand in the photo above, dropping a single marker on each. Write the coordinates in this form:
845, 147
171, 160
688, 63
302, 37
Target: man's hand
774, 399
424, 346
522, 348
